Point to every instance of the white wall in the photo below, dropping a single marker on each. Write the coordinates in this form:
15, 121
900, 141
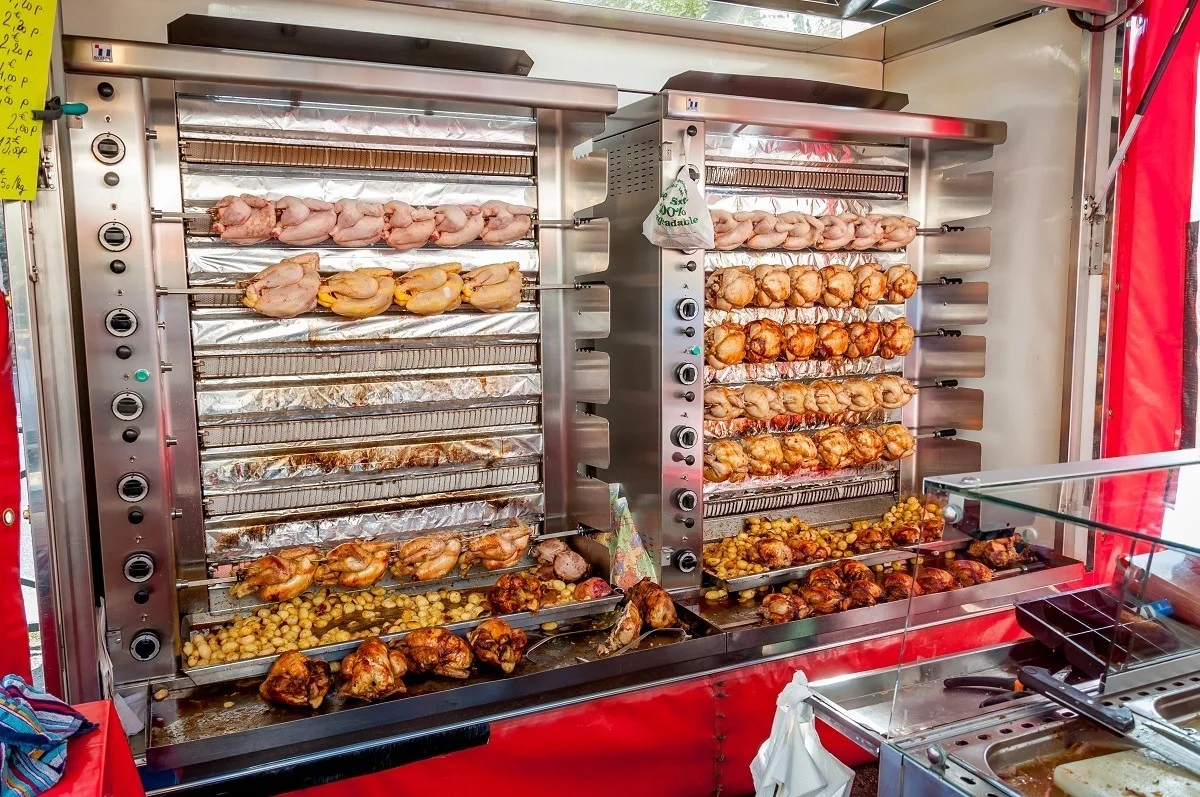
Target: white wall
1026, 74
632, 61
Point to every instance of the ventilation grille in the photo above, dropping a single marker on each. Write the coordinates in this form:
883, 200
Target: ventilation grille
359, 362
633, 164
808, 180
817, 494
258, 154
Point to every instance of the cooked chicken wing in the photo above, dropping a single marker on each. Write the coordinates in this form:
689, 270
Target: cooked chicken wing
833, 447
969, 572
773, 286
775, 554
826, 577
515, 592
799, 341
863, 594
765, 453
852, 571
868, 444
901, 284
725, 460
999, 553
496, 288
428, 557
729, 232
781, 607
896, 339
804, 232
934, 579
304, 222
898, 442
838, 286
407, 227
730, 288
279, 577
497, 643
870, 285
438, 651
655, 605
806, 551
373, 671
296, 680
457, 224
627, 628
860, 393
900, 587
893, 392
244, 219
355, 565
761, 402
286, 289
361, 293
764, 341
806, 286
799, 451
829, 397
824, 600
722, 403
359, 223
832, 340
864, 339
898, 232
724, 345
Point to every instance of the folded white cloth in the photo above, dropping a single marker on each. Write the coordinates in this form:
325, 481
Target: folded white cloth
792, 762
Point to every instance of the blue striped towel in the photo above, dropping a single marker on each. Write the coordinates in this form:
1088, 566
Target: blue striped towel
34, 728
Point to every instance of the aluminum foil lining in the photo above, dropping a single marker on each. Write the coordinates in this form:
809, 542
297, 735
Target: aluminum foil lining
233, 470
738, 199
216, 327
742, 149
215, 399
350, 126
742, 427
243, 542
796, 479
804, 315
204, 185
780, 257
801, 369
213, 262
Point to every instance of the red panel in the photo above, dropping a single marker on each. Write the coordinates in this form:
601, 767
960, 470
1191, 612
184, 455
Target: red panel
14, 637
100, 763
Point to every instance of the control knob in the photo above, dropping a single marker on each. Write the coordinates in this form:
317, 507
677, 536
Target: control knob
108, 148
120, 323
685, 560
132, 487
145, 646
114, 236
685, 499
687, 309
127, 406
687, 374
139, 567
683, 436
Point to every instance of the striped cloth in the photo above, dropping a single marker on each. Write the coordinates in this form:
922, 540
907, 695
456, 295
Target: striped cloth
34, 728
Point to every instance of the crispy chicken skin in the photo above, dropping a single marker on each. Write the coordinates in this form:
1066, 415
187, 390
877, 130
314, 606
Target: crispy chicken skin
497, 549
799, 451
1000, 552
726, 460
870, 540
765, 453
799, 341
730, 288
515, 592
355, 565
279, 577
764, 341
833, 340
864, 593
429, 557
438, 651
497, 643
775, 554
852, 572
296, 680
373, 671
824, 600
780, 607
900, 586
969, 572
627, 628
905, 534
825, 577
807, 551
654, 604
724, 345
934, 579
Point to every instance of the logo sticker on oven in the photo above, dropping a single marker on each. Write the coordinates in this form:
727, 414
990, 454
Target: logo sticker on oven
102, 51
692, 103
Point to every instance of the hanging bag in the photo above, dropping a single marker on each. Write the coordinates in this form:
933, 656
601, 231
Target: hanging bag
680, 220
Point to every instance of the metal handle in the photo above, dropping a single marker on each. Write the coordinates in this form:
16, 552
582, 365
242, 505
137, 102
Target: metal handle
1039, 680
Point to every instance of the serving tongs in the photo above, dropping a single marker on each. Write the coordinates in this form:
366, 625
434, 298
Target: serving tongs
1009, 688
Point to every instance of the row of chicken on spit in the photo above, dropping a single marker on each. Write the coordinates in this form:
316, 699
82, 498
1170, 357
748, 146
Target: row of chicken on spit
294, 286
247, 219
376, 669
766, 341
729, 460
821, 399
760, 229
836, 285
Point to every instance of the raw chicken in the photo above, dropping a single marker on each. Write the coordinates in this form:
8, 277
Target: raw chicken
782, 607
515, 592
829, 397
494, 289
279, 577
764, 341
407, 227
361, 293
505, 223
286, 289
730, 288
864, 338
355, 565
625, 631
244, 219
799, 451
838, 231
438, 651
768, 232
722, 403
373, 671
839, 286
806, 286
870, 285
797, 397
893, 392
804, 232
867, 232
765, 453
594, 587
900, 587
429, 557
729, 232
654, 604
296, 680
457, 224
359, 223
898, 232
430, 290
304, 222
799, 341
901, 284
761, 402
773, 286
859, 392
724, 345
725, 460
497, 549
497, 643
934, 579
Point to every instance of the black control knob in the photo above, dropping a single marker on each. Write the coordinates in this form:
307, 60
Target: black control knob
687, 309
686, 521
106, 90
136, 516
139, 567
120, 323
687, 374
130, 435
145, 646
689, 332
688, 396
683, 436
685, 499
128, 406
686, 459
141, 596
690, 265
132, 487
685, 560
114, 236
117, 266
108, 148
124, 352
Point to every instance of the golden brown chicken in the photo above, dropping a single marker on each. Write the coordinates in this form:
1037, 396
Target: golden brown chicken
864, 593
852, 571
764, 341
932, 524
905, 534
773, 286
864, 339
898, 442
1000, 552
806, 551
722, 403
655, 605
355, 565
497, 549
838, 286
761, 402
782, 607
438, 651
901, 284
592, 588
895, 339
799, 451
428, 557
515, 592
869, 540
900, 587
726, 460
830, 398
625, 631
497, 643
868, 445
824, 600
775, 554
806, 286
833, 447
361, 293
826, 577
279, 577
934, 579
797, 397
730, 288
832, 340
893, 392
373, 671
724, 345
799, 341
765, 453
969, 572
296, 680
860, 393
870, 285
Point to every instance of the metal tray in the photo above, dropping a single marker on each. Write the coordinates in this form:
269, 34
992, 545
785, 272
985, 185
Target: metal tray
797, 572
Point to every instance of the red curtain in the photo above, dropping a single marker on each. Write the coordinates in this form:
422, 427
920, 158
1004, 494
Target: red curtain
14, 638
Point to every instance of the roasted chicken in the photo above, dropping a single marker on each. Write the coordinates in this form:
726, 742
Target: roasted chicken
355, 565
494, 289
898, 442
304, 222
775, 554
761, 402
430, 290
782, 607
838, 286
655, 605
969, 572
592, 588
870, 285
730, 288
806, 551
864, 593
407, 227
826, 577
833, 447
799, 451
722, 403
359, 223
455, 225
724, 345
764, 341
1000, 553
868, 445
296, 680
898, 232
428, 557
901, 284
772, 286
852, 571
244, 219
279, 577
765, 453
438, 651
864, 339
803, 230
860, 394
799, 341
900, 587
829, 397
832, 340
931, 526
893, 392
624, 631
726, 460
869, 540
515, 592
896, 339
934, 579
373, 671
497, 643
824, 600
905, 534
361, 293
806, 286
284, 290
497, 549
505, 223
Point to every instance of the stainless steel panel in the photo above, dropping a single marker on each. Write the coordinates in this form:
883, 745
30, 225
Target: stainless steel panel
950, 408
590, 377
949, 306
956, 253
939, 456
97, 204
589, 440
957, 198
949, 358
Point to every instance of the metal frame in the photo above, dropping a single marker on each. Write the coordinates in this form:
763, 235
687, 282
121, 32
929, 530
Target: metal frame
1067, 470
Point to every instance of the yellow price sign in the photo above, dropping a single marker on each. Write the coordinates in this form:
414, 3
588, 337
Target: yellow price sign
26, 35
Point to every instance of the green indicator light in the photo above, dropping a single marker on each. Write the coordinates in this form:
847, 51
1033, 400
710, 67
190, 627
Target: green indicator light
694, 350
141, 375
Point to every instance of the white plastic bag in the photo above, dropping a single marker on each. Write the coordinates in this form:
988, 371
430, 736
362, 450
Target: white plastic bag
680, 220
792, 762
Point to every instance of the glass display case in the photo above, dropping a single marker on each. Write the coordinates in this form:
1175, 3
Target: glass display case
1107, 665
